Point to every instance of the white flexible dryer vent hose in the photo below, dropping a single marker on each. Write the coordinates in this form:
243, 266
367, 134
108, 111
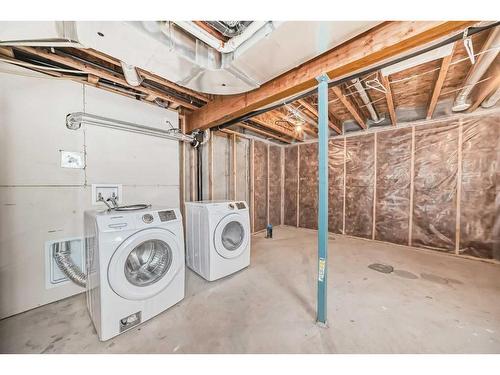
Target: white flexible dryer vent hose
62, 256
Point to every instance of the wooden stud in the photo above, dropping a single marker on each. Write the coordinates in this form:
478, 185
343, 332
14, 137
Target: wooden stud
252, 183
268, 178
389, 99
412, 176
298, 186
381, 43
459, 186
374, 209
234, 158
211, 168
438, 85
282, 198
345, 175
352, 110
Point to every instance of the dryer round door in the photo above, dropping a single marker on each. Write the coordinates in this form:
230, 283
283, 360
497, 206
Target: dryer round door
144, 264
231, 236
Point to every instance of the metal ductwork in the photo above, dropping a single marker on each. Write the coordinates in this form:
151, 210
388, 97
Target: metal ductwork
492, 100
462, 101
366, 100
189, 55
62, 256
229, 28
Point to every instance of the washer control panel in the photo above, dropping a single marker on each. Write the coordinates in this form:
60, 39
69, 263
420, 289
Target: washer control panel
167, 215
241, 205
147, 218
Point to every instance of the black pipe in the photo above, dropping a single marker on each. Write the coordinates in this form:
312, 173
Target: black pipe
199, 170
470, 31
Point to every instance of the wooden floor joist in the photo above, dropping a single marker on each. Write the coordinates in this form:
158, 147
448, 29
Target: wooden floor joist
150, 76
350, 107
265, 133
389, 99
268, 120
332, 125
101, 73
385, 41
445, 64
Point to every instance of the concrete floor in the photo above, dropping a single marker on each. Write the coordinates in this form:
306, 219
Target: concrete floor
432, 303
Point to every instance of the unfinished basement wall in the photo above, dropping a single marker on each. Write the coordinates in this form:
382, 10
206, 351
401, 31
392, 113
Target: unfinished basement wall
41, 201
433, 185
237, 167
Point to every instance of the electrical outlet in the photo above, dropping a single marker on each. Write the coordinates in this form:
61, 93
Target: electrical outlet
106, 191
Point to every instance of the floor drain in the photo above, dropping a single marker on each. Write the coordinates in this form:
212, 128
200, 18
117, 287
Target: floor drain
384, 268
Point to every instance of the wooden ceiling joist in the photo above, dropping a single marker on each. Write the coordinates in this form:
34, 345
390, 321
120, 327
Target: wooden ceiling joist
445, 65
385, 41
389, 99
102, 74
349, 106
148, 75
265, 133
313, 110
268, 120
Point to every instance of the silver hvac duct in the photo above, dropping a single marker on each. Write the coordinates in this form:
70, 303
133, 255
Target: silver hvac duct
62, 256
483, 63
492, 100
366, 100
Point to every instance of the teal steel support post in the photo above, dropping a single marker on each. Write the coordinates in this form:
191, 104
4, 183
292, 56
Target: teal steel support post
322, 197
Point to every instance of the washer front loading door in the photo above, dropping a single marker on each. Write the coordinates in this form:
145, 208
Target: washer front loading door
144, 264
231, 237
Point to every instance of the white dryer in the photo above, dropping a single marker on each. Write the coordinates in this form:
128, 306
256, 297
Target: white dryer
218, 237
135, 266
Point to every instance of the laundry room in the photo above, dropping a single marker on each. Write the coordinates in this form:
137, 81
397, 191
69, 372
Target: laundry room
300, 186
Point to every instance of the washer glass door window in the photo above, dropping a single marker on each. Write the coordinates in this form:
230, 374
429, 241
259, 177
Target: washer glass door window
145, 264
230, 237
148, 262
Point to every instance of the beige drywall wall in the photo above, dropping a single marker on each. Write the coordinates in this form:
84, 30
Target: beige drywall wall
40, 201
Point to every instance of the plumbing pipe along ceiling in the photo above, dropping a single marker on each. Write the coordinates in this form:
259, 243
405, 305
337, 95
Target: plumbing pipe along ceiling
191, 55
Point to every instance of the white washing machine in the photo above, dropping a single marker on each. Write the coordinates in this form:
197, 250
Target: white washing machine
135, 266
218, 237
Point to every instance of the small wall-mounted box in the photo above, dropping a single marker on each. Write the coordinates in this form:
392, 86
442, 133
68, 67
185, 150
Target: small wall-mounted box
106, 191
72, 159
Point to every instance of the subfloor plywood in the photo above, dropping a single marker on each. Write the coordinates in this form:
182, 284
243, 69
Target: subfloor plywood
430, 304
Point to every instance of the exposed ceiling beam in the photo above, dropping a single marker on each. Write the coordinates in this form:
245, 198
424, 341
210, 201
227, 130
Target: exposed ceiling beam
335, 121
149, 75
101, 73
352, 110
486, 88
310, 108
385, 41
445, 65
304, 127
7, 51
264, 133
268, 120
389, 99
